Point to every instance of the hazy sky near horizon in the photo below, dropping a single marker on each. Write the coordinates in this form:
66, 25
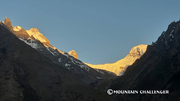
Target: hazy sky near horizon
100, 31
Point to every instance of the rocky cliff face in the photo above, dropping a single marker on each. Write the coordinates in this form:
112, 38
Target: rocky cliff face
37, 41
157, 69
120, 66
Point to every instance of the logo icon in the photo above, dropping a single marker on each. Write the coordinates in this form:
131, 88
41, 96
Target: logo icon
110, 91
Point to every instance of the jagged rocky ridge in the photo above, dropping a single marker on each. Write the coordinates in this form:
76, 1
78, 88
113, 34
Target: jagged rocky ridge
157, 69
37, 41
27, 75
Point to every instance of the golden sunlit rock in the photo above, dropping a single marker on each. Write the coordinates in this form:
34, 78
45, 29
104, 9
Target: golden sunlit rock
7, 22
73, 53
37, 35
17, 28
119, 66
33, 32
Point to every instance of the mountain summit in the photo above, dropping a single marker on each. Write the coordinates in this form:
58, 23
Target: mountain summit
37, 35
120, 66
30, 35
7, 21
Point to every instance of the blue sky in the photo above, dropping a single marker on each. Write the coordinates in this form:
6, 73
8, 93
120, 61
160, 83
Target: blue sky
101, 31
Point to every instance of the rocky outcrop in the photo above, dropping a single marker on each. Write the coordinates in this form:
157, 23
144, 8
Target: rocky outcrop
73, 53
7, 22
120, 66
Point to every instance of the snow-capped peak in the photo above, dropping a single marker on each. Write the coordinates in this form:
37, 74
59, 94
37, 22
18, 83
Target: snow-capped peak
37, 35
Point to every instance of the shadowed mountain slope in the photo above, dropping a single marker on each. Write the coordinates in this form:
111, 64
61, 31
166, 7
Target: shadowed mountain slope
157, 69
27, 75
39, 42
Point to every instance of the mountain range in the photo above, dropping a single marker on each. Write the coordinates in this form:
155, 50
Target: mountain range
31, 69
28, 75
69, 61
33, 35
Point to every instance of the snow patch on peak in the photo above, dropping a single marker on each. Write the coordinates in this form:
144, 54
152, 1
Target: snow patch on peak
31, 43
172, 31
50, 50
67, 65
60, 60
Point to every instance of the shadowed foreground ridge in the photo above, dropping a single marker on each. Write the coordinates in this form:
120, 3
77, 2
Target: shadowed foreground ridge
157, 69
27, 75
